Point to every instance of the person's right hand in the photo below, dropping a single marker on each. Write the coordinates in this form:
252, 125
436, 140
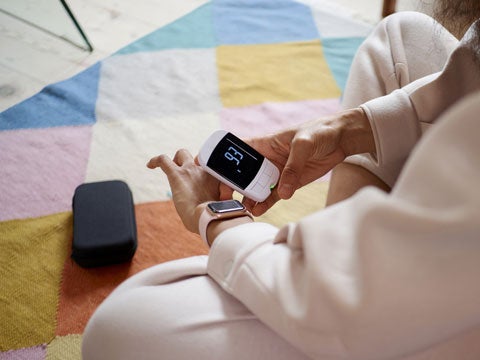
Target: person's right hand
307, 152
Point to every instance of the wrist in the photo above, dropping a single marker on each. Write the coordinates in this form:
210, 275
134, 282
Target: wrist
217, 216
356, 133
199, 209
216, 227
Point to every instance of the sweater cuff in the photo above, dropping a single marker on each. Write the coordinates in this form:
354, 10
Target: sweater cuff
395, 126
233, 246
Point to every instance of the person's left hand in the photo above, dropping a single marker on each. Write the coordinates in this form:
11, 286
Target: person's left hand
191, 186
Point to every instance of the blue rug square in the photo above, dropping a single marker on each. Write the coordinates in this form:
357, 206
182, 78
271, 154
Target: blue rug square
262, 22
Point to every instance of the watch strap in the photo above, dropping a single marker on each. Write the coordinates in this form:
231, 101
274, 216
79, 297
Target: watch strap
207, 217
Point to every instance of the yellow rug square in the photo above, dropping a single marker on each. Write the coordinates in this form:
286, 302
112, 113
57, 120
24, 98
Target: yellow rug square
31, 263
253, 74
306, 201
65, 348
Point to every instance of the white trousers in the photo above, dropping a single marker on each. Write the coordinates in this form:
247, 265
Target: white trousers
175, 310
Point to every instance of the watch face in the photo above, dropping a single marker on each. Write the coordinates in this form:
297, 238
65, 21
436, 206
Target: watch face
225, 206
235, 160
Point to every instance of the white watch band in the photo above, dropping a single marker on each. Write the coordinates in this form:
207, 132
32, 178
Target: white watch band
208, 216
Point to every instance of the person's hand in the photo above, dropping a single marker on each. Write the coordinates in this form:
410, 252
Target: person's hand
309, 151
191, 186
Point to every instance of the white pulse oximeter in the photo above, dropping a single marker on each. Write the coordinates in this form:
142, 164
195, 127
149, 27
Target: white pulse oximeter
238, 165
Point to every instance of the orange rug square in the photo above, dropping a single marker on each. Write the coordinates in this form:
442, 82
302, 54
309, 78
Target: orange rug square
161, 237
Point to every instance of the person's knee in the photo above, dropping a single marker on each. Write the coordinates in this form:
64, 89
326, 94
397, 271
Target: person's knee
407, 29
101, 331
116, 329
418, 45
404, 23
408, 20
398, 51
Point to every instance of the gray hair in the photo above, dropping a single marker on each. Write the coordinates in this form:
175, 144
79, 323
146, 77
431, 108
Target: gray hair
456, 15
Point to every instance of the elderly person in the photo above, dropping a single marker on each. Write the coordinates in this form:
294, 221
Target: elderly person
389, 271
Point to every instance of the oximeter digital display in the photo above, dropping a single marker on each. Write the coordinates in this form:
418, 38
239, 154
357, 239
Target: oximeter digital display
238, 165
235, 161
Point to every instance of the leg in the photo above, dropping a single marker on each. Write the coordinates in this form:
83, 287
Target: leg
175, 311
403, 48
348, 179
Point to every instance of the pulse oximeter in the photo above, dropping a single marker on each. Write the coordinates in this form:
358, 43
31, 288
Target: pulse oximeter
238, 165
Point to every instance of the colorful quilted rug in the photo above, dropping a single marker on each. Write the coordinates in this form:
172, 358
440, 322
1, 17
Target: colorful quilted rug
251, 67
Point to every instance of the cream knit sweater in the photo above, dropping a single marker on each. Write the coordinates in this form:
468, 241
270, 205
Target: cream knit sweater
381, 275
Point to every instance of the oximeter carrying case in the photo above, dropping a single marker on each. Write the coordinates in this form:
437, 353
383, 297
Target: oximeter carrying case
104, 227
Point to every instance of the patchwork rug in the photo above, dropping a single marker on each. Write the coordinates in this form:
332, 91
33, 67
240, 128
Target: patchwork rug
249, 66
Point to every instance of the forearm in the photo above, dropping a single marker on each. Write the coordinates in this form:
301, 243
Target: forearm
357, 138
356, 132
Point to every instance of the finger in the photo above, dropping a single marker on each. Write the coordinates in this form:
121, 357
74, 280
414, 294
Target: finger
249, 203
263, 207
260, 208
290, 178
274, 147
158, 160
226, 192
182, 157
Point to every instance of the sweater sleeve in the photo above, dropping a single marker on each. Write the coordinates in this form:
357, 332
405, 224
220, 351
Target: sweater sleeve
396, 129
378, 275
400, 118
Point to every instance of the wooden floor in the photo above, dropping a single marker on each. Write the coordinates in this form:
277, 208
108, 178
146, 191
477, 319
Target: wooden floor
31, 58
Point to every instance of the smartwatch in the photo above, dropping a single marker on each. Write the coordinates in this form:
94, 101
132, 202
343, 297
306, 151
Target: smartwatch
219, 210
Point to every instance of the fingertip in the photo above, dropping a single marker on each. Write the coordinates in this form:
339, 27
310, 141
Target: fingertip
225, 192
285, 191
249, 203
255, 212
159, 161
259, 209
150, 163
288, 183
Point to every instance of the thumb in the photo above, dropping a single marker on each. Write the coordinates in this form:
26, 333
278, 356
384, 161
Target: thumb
225, 191
294, 167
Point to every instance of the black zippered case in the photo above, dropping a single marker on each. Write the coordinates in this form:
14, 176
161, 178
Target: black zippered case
104, 227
